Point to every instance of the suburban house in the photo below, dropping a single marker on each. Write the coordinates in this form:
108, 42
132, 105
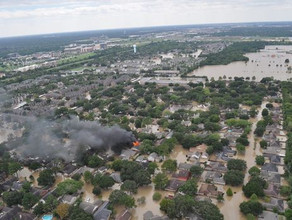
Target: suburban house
182, 175
174, 184
209, 190
213, 177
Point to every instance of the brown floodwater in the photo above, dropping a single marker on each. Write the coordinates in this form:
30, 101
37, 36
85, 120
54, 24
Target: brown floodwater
179, 154
150, 204
230, 206
266, 63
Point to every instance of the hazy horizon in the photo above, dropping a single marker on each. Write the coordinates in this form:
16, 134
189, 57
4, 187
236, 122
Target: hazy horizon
25, 17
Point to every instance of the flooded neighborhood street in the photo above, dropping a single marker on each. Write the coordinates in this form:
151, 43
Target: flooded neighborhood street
230, 207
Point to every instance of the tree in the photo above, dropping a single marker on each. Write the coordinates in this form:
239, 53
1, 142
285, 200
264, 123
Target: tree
220, 198
285, 190
87, 176
254, 186
229, 192
160, 181
236, 164
94, 161
78, 214
156, 196
169, 165
76, 176
202, 208
26, 186
130, 186
39, 209
152, 166
117, 165
234, 177
68, 186
265, 112
242, 140
46, 178
254, 171
288, 213
96, 190
189, 187
62, 210
12, 198
251, 207
240, 148
142, 177
34, 165
29, 200
260, 160
196, 171
13, 167
168, 206
105, 181
50, 203
179, 207
183, 205
269, 105
263, 144
118, 197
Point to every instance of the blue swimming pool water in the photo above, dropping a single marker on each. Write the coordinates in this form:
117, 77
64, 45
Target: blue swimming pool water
47, 217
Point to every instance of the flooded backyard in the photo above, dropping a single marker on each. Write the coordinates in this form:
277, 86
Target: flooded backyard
269, 62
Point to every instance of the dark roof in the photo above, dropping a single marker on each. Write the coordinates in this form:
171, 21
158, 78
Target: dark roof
270, 167
102, 213
69, 168
275, 159
174, 184
7, 213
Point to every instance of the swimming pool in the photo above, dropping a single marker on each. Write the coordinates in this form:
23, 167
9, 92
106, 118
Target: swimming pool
47, 217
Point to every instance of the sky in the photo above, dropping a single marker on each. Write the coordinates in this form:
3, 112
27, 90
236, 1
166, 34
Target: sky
28, 17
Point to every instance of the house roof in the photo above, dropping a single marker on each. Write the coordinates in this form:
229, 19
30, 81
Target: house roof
272, 190
117, 177
69, 199
271, 177
275, 203
126, 215
16, 185
148, 215
69, 168
174, 184
7, 213
185, 166
208, 189
267, 215
270, 167
185, 174
275, 159
102, 213
90, 208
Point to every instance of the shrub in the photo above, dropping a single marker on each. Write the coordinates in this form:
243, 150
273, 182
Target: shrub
156, 196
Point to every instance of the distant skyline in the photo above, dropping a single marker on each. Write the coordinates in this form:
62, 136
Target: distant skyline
29, 17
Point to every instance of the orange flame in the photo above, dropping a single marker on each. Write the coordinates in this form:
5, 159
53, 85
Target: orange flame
136, 143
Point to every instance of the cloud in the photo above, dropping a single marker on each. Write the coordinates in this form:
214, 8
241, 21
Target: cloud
19, 17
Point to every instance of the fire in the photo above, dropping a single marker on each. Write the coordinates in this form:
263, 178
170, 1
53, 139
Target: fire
136, 143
